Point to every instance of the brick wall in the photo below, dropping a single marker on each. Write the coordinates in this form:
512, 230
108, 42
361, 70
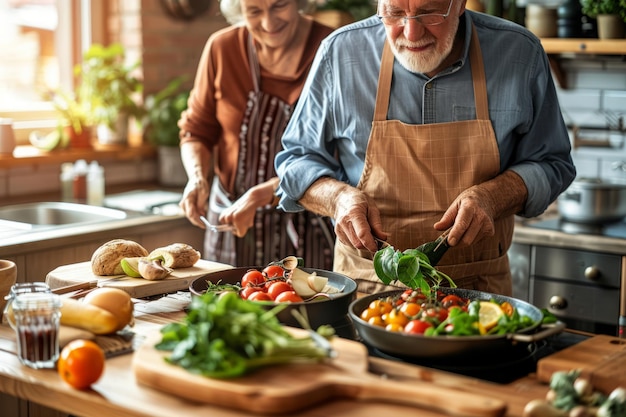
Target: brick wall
166, 46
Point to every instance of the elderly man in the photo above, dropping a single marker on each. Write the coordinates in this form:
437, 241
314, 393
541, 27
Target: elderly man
425, 118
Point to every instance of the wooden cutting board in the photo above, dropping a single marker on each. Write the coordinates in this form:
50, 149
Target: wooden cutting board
288, 388
180, 279
601, 359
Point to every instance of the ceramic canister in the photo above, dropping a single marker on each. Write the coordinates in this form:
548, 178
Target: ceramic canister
541, 20
7, 136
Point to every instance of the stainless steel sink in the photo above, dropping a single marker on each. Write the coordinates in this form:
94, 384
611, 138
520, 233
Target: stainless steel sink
34, 216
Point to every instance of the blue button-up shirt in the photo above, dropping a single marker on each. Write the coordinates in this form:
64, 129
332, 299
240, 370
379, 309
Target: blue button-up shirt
334, 114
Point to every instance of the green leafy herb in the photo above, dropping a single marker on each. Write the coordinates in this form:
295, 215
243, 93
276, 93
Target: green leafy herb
224, 336
410, 267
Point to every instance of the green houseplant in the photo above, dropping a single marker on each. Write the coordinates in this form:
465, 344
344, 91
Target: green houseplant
160, 123
75, 123
610, 15
109, 87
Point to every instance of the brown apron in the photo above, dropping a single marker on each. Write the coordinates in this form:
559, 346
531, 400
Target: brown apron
414, 172
274, 234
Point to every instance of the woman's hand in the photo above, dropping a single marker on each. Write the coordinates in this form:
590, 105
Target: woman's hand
194, 200
242, 212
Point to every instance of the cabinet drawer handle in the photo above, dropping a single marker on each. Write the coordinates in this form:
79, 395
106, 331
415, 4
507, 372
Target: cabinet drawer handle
592, 273
557, 302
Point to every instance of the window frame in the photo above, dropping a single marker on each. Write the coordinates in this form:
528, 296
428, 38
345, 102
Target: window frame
78, 27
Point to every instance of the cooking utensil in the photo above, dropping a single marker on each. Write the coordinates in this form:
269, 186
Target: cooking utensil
418, 346
325, 311
593, 200
286, 389
436, 249
218, 227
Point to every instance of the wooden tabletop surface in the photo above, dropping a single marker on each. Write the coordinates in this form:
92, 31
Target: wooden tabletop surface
118, 394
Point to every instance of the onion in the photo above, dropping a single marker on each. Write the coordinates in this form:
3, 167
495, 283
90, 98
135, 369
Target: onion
116, 301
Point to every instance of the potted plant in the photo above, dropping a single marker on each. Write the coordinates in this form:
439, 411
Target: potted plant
75, 123
109, 85
610, 15
337, 13
161, 113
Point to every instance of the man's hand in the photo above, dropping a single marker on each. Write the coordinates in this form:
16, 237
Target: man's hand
357, 219
473, 213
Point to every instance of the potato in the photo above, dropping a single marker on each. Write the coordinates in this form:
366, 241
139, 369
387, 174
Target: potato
176, 255
106, 259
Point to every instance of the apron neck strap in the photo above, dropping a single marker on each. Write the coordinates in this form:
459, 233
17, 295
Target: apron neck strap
478, 79
254, 64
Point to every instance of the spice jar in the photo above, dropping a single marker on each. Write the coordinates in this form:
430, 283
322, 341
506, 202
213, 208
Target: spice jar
37, 317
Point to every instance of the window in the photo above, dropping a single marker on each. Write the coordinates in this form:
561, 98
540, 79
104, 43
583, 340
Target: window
40, 42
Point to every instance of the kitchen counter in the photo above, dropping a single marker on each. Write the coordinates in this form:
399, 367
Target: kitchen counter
525, 234
118, 394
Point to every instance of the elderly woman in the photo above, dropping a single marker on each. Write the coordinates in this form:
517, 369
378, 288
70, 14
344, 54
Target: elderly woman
249, 77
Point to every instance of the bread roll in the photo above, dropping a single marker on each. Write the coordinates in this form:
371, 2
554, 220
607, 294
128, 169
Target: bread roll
106, 259
176, 255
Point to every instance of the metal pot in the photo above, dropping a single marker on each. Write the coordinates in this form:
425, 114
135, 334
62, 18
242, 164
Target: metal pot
593, 200
329, 311
448, 347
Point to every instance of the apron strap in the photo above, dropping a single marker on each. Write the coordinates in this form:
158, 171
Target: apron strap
254, 64
478, 75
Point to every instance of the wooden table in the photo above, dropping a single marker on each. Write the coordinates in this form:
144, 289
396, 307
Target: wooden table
118, 394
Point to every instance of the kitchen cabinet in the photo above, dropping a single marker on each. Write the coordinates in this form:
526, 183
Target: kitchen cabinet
555, 47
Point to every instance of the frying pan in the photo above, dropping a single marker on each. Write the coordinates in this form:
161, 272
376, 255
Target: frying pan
437, 347
318, 312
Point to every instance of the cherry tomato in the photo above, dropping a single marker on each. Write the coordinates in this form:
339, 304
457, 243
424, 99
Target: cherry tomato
252, 277
288, 297
278, 287
417, 327
438, 313
381, 306
395, 317
452, 300
507, 308
259, 296
273, 271
410, 309
376, 321
394, 327
246, 292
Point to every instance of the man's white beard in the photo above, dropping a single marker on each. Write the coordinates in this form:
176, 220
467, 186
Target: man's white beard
423, 62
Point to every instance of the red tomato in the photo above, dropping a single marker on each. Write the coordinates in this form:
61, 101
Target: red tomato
252, 277
278, 287
246, 292
259, 296
452, 300
417, 327
437, 313
288, 297
273, 271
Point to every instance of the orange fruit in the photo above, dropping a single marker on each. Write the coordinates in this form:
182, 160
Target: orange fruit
81, 363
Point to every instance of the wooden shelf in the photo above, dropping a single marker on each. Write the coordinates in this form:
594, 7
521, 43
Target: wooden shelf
556, 46
29, 155
584, 46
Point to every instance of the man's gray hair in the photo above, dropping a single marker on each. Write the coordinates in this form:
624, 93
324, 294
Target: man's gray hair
231, 9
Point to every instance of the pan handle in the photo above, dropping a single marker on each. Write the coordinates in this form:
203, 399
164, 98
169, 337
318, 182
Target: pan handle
547, 330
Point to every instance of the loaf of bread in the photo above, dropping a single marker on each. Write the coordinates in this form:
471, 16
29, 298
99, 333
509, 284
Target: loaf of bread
106, 259
176, 255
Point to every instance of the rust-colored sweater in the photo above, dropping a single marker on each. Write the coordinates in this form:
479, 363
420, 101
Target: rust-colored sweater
223, 81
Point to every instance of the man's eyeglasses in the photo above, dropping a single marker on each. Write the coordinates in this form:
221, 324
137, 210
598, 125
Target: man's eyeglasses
427, 19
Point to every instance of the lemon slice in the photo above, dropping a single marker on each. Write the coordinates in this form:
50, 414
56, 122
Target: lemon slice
489, 314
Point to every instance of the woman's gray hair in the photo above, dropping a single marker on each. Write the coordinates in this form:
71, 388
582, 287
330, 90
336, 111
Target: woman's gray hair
231, 9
